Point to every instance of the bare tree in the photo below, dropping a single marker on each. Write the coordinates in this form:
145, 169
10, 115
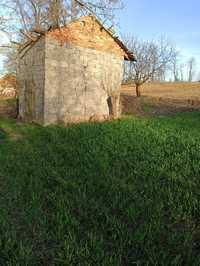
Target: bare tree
198, 77
10, 61
181, 70
191, 66
175, 67
162, 74
33, 17
159, 76
152, 57
22, 21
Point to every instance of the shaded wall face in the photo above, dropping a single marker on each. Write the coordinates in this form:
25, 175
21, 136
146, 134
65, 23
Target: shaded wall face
31, 78
78, 82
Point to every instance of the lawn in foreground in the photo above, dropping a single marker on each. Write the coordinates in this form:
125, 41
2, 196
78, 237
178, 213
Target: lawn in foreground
120, 193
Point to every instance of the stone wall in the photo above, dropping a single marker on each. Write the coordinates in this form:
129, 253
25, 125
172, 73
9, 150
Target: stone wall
67, 83
31, 80
78, 83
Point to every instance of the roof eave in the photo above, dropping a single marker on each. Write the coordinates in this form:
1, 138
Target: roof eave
128, 54
130, 57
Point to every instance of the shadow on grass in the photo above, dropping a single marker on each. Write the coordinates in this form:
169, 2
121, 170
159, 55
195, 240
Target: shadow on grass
2, 134
101, 194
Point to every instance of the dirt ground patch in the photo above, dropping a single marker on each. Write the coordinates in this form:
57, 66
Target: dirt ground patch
161, 99
8, 107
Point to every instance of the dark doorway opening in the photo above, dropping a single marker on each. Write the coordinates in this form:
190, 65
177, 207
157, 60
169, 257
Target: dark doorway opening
110, 105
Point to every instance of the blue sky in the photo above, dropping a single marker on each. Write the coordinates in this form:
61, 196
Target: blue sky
178, 20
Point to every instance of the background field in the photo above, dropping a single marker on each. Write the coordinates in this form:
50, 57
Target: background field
161, 98
181, 90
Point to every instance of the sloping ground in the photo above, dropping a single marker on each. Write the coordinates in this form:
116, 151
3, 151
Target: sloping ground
118, 193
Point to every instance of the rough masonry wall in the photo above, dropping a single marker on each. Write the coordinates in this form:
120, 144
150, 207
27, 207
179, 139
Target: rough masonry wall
78, 82
31, 79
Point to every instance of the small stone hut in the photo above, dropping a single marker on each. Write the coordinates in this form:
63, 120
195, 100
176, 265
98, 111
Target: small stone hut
71, 74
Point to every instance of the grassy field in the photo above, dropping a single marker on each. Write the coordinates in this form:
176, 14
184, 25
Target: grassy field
125, 192
179, 90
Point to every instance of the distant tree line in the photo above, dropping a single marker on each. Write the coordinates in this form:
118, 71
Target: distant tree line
183, 71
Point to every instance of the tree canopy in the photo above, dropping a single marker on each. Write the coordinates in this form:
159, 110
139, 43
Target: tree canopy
25, 19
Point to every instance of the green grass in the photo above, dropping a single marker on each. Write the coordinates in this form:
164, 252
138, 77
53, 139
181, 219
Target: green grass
120, 193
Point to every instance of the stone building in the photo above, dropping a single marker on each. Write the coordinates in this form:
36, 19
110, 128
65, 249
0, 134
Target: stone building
71, 74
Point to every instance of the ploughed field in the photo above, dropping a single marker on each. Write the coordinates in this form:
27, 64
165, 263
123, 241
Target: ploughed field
161, 98
169, 90
125, 192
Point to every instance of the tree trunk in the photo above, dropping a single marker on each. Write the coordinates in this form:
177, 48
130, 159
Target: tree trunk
74, 6
138, 93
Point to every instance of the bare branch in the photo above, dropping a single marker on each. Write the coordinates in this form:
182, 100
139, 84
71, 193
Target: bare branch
26, 20
153, 58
